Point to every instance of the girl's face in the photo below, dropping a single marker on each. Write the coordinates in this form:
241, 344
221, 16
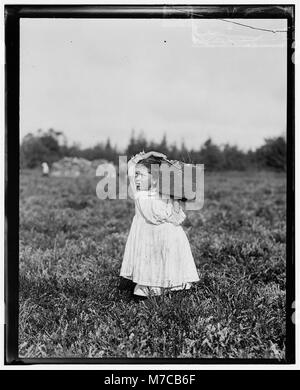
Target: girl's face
143, 179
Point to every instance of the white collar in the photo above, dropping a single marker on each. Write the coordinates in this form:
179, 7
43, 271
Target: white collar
151, 192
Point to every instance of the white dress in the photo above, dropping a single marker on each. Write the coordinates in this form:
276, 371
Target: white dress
157, 253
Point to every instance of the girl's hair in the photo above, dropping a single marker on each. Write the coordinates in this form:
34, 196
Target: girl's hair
155, 162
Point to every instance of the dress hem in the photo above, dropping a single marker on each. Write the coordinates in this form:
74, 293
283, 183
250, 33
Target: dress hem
146, 291
163, 285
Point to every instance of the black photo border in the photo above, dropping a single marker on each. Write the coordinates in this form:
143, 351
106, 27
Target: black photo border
13, 14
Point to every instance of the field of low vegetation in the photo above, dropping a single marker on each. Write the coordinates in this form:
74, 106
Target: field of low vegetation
71, 248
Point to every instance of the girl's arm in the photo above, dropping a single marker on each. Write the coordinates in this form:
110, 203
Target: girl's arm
132, 163
131, 169
157, 210
131, 174
190, 206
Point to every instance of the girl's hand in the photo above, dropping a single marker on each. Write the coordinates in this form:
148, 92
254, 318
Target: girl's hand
156, 154
138, 157
176, 206
142, 155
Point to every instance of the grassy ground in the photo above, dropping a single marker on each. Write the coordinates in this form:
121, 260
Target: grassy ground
71, 247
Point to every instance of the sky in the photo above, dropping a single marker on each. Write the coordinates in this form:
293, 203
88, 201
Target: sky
190, 79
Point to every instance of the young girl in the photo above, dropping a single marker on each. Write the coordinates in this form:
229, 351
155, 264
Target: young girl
157, 254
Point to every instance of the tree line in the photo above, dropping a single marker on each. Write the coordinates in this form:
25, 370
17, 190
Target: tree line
51, 146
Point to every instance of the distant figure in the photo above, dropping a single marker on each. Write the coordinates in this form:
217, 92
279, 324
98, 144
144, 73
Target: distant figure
45, 169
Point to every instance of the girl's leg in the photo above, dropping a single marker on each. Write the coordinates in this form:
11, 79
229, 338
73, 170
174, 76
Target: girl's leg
138, 298
126, 284
146, 291
184, 286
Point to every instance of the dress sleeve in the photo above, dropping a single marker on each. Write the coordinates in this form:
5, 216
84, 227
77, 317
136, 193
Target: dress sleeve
157, 210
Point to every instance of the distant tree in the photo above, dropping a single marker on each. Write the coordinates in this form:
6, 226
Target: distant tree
44, 146
108, 151
131, 147
211, 156
73, 151
52, 145
152, 145
233, 158
173, 152
183, 153
252, 160
141, 143
136, 144
163, 146
32, 151
273, 153
50, 141
195, 156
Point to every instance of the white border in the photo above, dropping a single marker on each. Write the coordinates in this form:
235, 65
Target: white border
2, 172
